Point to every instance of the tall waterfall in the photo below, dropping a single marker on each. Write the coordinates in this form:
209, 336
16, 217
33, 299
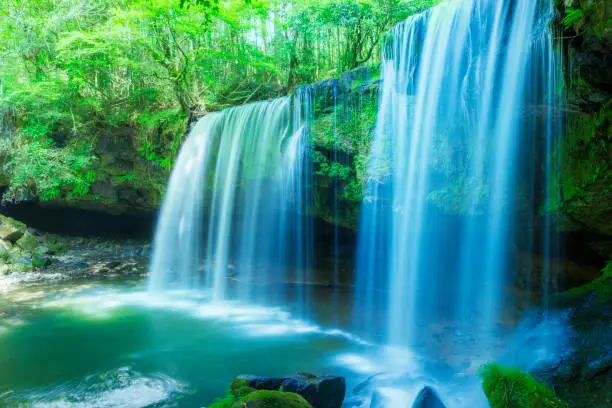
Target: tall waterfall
467, 116
232, 222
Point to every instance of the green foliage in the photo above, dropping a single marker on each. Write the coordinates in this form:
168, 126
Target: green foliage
6, 257
239, 388
38, 168
329, 37
348, 130
583, 186
507, 387
572, 16
72, 69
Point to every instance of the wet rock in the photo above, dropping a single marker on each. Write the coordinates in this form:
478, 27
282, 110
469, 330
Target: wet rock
41, 261
377, 400
355, 402
562, 273
27, 242
428, 398
572, 352
42, 250
320, 392
11, 230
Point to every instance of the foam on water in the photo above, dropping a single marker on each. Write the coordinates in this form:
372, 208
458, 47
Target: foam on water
121, 388
233, 220
249, 320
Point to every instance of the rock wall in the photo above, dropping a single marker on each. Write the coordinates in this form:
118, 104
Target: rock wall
585, 152
344, 120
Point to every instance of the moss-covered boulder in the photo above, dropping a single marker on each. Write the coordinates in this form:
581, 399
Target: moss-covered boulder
11, 230
241, 395
27, 242
5, 245
319, 391
507, 387
274, 399
22, 250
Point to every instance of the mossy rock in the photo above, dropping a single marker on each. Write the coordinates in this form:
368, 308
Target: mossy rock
27, 242
241, 396
507, 387
240, 388
600, 288
41, 261
5, 245
10, 229
274, 399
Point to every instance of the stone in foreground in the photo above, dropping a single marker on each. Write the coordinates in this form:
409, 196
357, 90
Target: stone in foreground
428, 398
320, 392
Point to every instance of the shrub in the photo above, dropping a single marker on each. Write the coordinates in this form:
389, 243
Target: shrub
572, 16
37, 168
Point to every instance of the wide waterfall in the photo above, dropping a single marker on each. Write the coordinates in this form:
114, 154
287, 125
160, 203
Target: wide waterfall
466, 118
233, 221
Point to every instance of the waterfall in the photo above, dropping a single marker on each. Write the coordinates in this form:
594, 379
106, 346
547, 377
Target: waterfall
455, 165
232, 222
298, 179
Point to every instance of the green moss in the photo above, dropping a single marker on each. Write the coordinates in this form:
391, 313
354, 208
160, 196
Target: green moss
583, 188
507, 387
27, 242
347, 129
239, 388
6, 257
240, 395
275, 399
572, 17
601, 287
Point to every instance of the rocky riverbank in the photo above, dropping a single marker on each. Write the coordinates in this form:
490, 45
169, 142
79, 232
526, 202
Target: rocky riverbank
30, 256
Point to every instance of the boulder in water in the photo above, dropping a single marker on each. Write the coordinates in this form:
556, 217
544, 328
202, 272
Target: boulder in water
428, 398
320, 392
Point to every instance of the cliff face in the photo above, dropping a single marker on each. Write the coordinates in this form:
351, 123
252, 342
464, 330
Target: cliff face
585, 165
342, 131
126, 182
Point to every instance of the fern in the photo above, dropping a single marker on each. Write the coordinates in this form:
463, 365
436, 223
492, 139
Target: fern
572, 16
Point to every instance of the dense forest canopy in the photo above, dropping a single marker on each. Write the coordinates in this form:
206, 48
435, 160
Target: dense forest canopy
69, 68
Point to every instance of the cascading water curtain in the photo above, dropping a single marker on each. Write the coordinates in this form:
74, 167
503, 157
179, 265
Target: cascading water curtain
461, 141
296, 220
232, 223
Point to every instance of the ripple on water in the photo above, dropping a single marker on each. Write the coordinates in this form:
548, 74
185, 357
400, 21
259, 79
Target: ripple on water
120, 388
